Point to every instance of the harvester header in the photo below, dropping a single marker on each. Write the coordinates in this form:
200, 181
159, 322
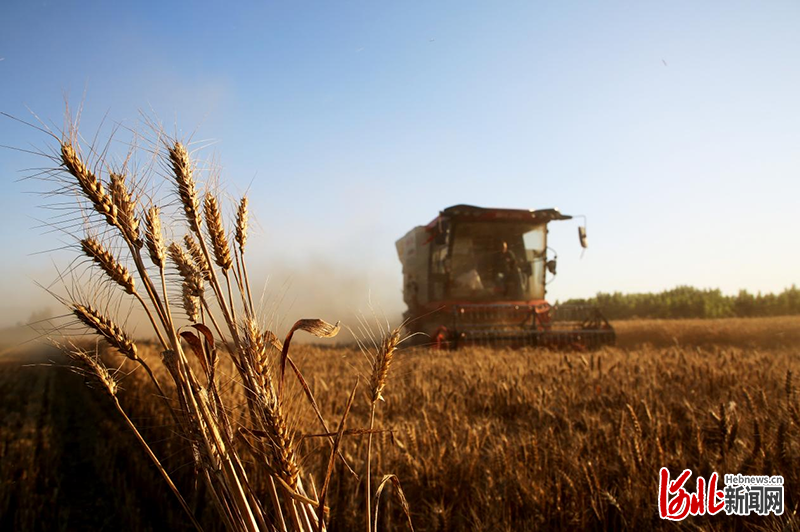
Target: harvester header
479, 275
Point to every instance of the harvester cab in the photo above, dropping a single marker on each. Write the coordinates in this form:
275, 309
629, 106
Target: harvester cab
478, 276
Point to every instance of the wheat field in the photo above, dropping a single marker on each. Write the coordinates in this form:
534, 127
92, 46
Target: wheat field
219, 422
481, 439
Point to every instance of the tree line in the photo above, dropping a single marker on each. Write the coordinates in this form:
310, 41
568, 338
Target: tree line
690, 302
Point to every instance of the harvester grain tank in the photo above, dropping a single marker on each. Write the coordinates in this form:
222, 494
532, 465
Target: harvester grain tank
475, 275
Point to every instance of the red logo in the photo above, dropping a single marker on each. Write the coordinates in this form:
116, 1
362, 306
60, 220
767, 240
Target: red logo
675, 503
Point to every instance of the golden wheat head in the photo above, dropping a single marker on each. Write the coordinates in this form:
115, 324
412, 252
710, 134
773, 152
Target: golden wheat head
382, 363
89, 184
257, 346
198, 256
216, 233
153, 236
126, 208
92, 367
241, 224
191, 303
182, 169
187, 269
106, 328
103, 258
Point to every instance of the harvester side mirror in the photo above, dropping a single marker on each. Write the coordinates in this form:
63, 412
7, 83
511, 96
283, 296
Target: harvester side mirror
582, 237
551, 266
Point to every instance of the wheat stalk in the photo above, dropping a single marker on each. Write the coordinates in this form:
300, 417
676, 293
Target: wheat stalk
241, 239
94, 368
380, 373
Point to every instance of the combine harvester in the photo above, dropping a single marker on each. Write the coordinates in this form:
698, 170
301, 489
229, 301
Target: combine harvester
477, 276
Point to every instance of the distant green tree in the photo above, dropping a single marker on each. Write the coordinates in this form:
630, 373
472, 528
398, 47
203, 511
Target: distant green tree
690, 302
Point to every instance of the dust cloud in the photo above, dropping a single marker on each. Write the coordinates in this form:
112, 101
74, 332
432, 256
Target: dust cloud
318, 288
283, 292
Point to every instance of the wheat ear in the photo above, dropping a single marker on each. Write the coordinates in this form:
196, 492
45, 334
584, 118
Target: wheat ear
197, 255
89, 183
281, 443
103, 258
153, 236
93, 368
182, 169
191, 303
216, 232
382, 363
187, 269
241, 224
105, 327
126, 209
256, 346
241, 240
272, 418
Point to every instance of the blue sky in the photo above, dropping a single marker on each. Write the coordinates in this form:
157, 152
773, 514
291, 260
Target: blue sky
675, 127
